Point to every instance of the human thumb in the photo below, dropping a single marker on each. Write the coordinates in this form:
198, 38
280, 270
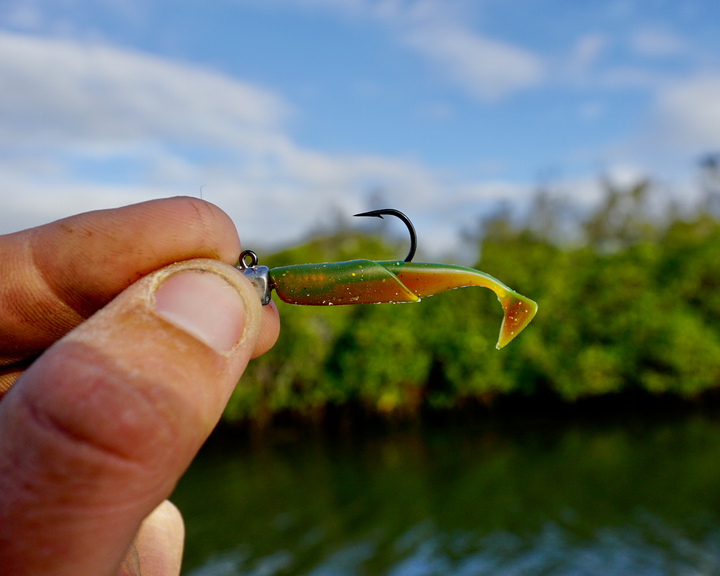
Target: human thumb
98, 430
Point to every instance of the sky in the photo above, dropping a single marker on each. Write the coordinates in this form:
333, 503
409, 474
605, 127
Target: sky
292, 115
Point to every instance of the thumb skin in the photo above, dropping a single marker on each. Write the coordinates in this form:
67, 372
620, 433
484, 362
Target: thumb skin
98, 430
158, 546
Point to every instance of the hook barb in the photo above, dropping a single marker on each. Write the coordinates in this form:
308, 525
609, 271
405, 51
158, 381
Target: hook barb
405, 219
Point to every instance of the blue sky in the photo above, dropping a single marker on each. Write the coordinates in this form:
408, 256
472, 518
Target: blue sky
290, 112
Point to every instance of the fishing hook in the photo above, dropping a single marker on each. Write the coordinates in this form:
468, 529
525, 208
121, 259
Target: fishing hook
405, 219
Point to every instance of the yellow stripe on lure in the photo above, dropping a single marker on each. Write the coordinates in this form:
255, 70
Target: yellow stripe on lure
370, 282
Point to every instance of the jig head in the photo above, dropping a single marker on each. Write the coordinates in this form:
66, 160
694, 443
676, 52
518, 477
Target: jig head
370, 282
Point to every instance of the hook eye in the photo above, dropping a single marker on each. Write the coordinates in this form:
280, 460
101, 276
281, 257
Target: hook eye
244, 264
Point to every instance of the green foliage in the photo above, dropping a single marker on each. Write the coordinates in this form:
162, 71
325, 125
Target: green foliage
636, 306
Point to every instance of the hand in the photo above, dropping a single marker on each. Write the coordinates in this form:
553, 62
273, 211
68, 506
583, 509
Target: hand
122, 362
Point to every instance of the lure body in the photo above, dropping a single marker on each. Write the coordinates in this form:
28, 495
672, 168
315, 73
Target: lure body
368, 282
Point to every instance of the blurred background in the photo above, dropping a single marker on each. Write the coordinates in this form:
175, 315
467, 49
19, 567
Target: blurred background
570, 149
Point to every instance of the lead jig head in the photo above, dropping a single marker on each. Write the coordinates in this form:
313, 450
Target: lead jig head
258, 275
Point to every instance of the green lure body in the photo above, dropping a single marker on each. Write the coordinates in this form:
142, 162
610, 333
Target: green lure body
368, 282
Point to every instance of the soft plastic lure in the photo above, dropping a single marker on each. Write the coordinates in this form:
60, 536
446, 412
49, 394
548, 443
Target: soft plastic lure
370, 282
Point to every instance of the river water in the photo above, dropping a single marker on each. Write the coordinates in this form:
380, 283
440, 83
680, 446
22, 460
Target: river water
634, 493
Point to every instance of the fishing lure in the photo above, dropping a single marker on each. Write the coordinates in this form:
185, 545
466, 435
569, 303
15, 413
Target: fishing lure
370, 282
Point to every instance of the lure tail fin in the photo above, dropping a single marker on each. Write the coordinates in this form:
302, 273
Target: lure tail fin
518, 312
429, 279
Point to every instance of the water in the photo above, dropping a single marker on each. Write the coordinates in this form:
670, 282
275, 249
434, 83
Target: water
635, 494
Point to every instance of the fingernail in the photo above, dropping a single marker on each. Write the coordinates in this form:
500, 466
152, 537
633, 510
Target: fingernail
203, 304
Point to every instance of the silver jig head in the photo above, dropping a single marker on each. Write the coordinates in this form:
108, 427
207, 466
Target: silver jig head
258, 275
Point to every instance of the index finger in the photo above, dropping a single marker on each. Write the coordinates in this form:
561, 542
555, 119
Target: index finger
59, 274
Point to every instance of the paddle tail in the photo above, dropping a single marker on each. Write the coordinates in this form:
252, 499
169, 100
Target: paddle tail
428, 279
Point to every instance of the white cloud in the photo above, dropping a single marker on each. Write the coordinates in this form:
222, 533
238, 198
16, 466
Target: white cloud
487, 68
687, 114
591, 110
629, 77
655, 42
591, 65
393, 11
65, 91
586, 52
